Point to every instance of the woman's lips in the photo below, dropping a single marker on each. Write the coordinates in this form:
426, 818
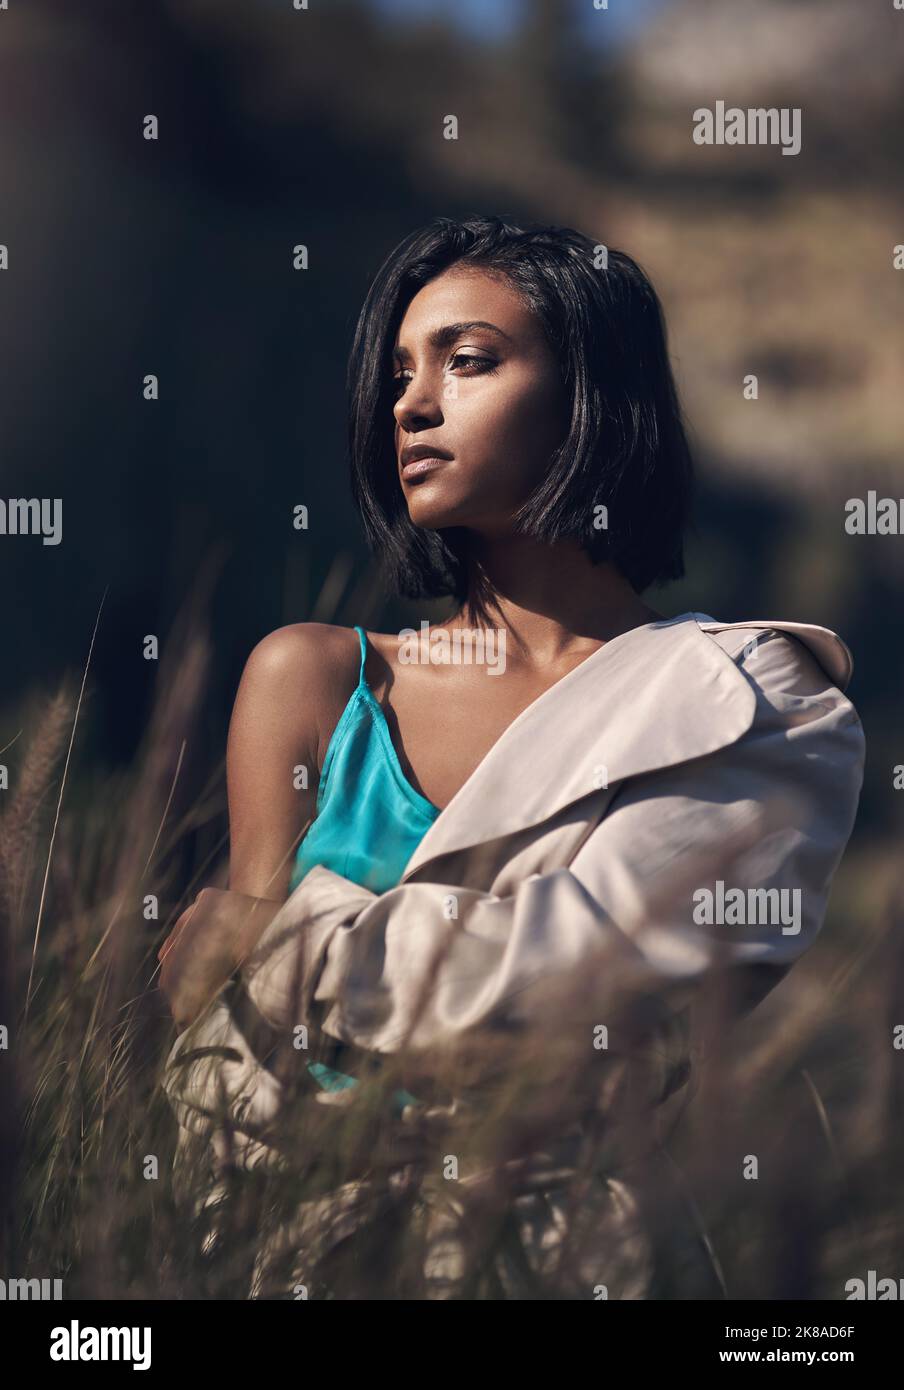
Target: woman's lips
411, 470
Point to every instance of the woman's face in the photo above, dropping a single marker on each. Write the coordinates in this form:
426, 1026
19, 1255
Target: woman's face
475, 379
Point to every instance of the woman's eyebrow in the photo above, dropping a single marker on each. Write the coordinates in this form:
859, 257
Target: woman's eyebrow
444, 337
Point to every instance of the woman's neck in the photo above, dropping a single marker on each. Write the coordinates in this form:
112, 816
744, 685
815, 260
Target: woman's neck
545, 596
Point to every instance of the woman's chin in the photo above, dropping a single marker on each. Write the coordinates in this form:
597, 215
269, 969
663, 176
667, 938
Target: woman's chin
435, 517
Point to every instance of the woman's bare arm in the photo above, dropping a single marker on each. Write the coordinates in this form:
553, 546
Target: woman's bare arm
294, 686
284, 695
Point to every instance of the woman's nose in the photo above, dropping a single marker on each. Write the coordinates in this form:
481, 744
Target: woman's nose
420, 404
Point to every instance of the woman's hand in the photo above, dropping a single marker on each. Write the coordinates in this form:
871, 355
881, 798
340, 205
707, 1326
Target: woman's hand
207, 945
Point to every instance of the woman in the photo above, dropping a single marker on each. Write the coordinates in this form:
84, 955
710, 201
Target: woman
591, 798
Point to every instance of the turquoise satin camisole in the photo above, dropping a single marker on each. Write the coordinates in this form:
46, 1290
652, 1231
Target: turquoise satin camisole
368, 818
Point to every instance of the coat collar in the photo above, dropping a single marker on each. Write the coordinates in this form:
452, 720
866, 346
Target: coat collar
652, 697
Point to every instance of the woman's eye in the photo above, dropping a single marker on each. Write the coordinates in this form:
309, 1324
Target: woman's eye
473, 361
475, 366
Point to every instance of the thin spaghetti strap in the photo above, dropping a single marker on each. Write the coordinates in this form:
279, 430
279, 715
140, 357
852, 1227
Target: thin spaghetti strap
362, 638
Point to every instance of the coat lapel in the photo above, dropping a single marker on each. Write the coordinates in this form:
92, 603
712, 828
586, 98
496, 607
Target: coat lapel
831, 653
658, 695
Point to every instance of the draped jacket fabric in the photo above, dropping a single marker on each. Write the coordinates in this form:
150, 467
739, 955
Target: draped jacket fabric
678, 801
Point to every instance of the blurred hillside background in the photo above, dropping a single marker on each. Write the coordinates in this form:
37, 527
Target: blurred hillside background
324, 126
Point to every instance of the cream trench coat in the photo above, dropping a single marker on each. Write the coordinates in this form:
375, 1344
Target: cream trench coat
683, 761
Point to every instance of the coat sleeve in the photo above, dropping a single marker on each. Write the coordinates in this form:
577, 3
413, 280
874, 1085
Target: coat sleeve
427, 965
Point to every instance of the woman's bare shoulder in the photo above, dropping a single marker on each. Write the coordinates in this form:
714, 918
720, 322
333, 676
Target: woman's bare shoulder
312, 660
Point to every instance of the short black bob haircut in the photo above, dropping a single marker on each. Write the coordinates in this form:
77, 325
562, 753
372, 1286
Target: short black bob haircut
625, 449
